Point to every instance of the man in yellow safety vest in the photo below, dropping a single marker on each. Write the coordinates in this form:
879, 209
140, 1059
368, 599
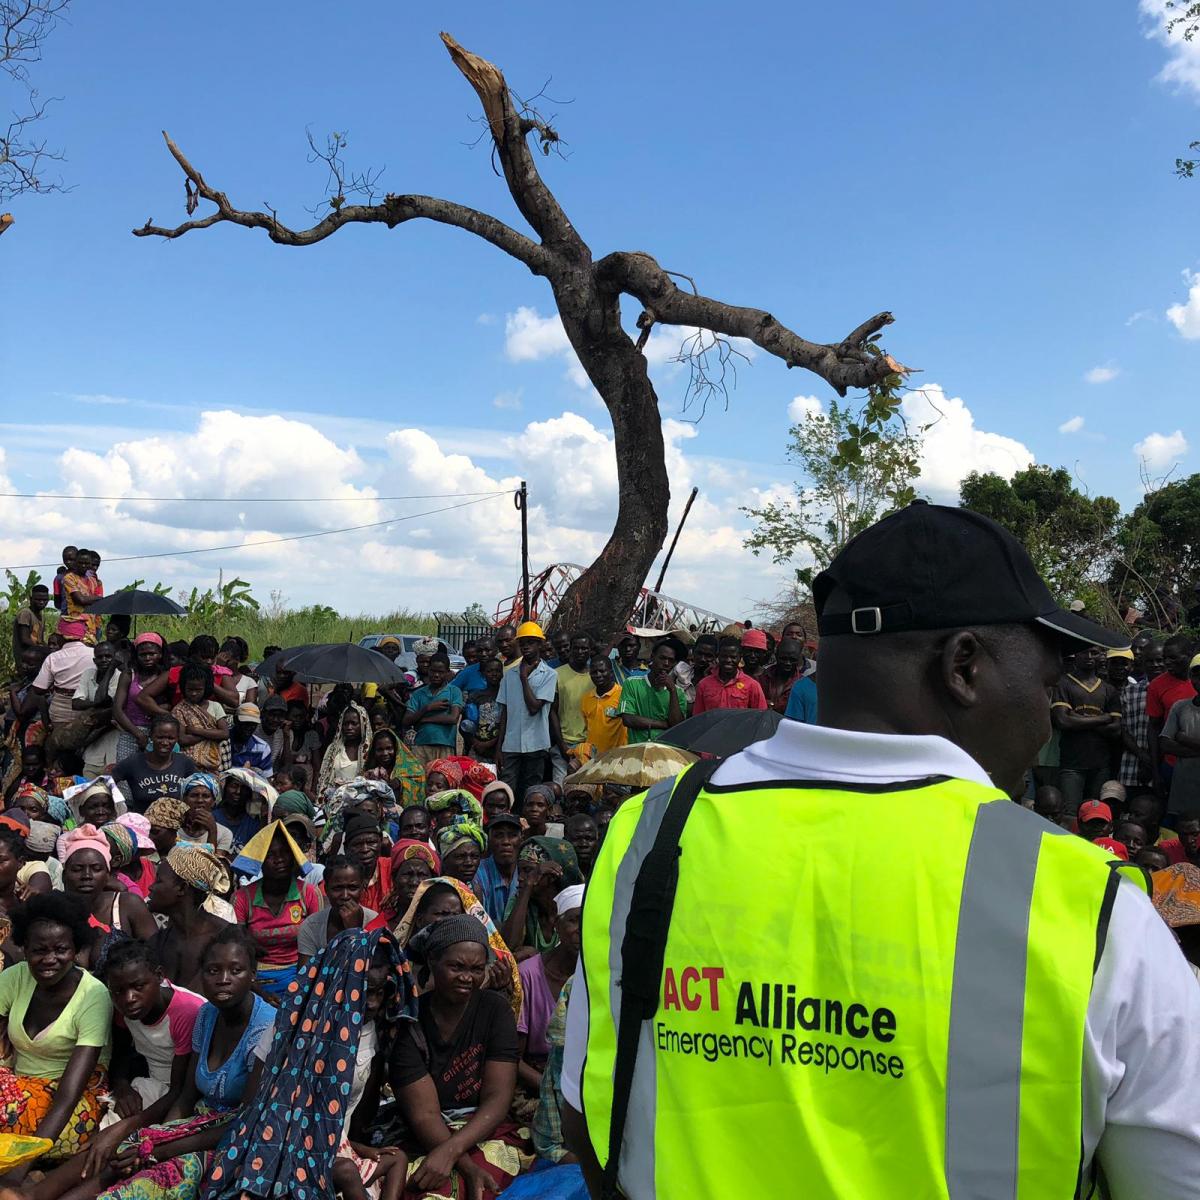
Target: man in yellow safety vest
843, 965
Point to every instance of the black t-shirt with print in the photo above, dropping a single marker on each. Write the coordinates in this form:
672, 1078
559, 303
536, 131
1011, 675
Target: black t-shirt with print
147, 784
487, 1031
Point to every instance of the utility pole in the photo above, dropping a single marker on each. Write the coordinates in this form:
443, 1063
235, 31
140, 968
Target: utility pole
687, 508
521, 500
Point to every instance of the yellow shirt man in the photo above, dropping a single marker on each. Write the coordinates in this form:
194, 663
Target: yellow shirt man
605, 729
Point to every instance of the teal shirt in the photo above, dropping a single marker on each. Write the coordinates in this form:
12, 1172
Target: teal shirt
430, 734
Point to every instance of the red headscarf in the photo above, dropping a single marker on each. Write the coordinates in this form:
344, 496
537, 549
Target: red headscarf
407, 848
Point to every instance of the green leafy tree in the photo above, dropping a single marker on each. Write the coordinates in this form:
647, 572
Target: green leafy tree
855, 467
230, 599
13, 598
1159, 549
1070, 535
476, 614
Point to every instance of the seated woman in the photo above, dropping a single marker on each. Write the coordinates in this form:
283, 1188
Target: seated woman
461, 846
182, 892
546, 866
95, 804
241, 813
536, 808
306, 1131
455, 1081
165, 817
275, 905
543, 977
371, 796
388, 758
448, 806
413, 862
154, 1023
128, 868
444, 897
57, 1019
85, 855
343, 892
441, 775
167, 1161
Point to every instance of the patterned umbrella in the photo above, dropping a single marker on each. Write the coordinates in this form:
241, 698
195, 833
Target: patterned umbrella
633, 766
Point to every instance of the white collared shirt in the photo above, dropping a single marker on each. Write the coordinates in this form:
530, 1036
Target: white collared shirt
1141, 1062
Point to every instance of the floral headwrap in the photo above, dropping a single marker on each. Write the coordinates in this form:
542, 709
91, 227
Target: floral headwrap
447, 768
201, 779
461, 833
458, 799
31, 791
408, 848
166, 813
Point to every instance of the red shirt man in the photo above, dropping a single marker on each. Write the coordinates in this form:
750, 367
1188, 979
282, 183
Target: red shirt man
728, 686
1169, 687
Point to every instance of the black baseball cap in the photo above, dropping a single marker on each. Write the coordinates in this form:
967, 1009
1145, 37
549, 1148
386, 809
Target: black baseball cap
929, 566
504, 818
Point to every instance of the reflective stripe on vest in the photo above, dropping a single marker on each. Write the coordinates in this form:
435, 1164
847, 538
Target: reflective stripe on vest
939, 971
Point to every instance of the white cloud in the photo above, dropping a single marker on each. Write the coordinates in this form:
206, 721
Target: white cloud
1104, 374
1160, 450
439, 560
510, 399
528, 336
1074, 425
954, 447
1186, 317
802, 407
1142, 314
1182, 69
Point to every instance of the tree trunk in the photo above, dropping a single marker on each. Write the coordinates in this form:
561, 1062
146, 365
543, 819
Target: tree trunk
600, 600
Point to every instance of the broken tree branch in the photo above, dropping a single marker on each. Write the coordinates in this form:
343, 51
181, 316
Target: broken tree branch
391, 211
843, 365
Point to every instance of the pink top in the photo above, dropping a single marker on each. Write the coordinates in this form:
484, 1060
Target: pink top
537, 1005
170, 1035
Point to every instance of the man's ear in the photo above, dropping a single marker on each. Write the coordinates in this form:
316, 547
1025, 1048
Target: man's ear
961, 661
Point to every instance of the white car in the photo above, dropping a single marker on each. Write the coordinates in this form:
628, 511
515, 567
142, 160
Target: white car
407, 658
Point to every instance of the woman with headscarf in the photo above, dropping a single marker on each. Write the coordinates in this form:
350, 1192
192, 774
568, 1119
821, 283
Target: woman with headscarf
364, 794
455, 1082
461, 846
165, 816
128, 866
346, 754
441, 897
441, 775
128, 715
545, 865
294, 801
543, 977
274, 907
86, 856
413, 862
451, 805
536, 807
305, 1131
245, 806
390, 759
187, 895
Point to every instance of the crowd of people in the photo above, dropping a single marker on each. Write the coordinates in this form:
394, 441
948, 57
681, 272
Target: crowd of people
259, 933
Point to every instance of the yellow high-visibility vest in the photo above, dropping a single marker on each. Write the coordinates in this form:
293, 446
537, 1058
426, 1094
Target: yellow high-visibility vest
897, 1013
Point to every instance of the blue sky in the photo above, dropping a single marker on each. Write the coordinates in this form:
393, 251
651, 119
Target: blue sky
1000, 178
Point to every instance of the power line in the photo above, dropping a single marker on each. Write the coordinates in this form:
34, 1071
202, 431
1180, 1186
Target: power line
295, 537
246, 499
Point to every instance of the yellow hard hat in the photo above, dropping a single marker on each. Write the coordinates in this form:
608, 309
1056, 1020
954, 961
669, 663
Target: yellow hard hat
530, 629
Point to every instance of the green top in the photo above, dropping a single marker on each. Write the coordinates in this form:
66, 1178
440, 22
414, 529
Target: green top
86, 1021
642, 700
573, 685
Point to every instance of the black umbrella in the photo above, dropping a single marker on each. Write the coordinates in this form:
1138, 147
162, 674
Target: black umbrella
723, 731
134, 602
339, 662
266, 668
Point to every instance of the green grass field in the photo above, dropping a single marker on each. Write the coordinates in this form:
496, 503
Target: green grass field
290, 628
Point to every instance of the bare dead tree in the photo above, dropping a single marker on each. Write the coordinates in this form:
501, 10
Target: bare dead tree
24, 159
588, 294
